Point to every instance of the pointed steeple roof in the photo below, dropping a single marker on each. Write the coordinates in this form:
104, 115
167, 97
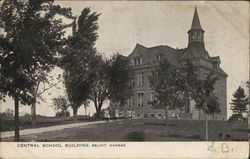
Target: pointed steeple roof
196, 21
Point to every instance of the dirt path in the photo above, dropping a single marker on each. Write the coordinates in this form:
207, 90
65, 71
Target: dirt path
47, 129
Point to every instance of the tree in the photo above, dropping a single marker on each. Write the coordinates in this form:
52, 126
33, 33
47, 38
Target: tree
30, 37
61, 105
168, 83
99, 85
78, 57
213, 106
239, 102
204, 97
119, 88
43, 84
110, 81
77, 91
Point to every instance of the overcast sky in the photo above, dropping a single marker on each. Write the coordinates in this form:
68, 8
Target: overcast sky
123, 24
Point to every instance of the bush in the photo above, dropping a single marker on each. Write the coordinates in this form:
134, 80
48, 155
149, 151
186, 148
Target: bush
62, 114
136, 136
237, 117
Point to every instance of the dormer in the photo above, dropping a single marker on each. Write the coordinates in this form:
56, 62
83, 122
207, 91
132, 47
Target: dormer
216, 62
137, 61
157, 58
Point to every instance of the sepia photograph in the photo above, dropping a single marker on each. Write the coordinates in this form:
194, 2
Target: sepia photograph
123, 71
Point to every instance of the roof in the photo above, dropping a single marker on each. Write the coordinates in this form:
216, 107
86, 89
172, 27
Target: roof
194, 51
196, 21
164, 50
215, 59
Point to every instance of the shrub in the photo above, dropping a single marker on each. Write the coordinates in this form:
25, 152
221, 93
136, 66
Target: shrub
237, 117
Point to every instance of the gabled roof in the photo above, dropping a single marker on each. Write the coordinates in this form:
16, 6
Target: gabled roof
166, 51
138, 50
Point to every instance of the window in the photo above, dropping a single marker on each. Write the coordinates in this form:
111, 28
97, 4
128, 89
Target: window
137, 61
139, 80
140, 61
152, 115
140, 100
130, 103
158, 58
131, 82
151, 97
159, 115
138, 115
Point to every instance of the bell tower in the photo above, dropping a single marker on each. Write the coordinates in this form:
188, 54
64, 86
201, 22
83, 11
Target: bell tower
196, 33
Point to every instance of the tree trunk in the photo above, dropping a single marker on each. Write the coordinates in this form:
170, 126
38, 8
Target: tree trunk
199, 114
206, 127
98, 113
33, 113
85, 111
213, 116
75, 114
17, 135
166, 116
65, 114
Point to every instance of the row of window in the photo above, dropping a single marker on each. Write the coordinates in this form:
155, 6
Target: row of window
139, 100
139, 81
138, 60
197, 36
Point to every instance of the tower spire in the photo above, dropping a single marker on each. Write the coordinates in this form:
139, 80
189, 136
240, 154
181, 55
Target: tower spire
196, 21
196, 33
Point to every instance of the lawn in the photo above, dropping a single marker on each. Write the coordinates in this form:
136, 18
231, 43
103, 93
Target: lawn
147, 130
7, 124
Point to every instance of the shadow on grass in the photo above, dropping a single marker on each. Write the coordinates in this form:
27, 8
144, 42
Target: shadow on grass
162, 124
196, 137
136, 136
242, 130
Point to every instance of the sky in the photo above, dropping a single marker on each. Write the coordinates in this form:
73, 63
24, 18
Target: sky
123, 24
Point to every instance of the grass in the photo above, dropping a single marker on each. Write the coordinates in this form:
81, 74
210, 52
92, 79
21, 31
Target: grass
146, 130
7, 124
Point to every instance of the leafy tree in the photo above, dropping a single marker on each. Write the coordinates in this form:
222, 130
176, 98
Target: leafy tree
204, 97
239, 102
203, 92
213, 106
77, 91
110, 79
100, 84
78, 57
168, 83
61, 105
30, 37
175, 85
119, 89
